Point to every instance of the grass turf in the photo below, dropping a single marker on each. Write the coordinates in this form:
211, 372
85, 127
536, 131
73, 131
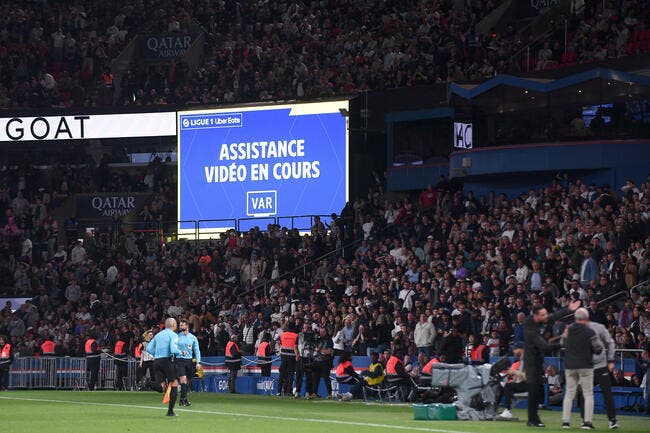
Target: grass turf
99, 412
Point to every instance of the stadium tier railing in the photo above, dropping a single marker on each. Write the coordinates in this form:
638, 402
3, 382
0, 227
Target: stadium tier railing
160, 232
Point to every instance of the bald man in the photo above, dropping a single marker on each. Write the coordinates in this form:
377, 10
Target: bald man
164, 348
581, 344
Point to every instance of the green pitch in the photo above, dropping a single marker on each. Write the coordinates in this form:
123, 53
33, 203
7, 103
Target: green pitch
117, 412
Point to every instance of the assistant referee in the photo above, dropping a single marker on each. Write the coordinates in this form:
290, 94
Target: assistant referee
189, 347
164, 348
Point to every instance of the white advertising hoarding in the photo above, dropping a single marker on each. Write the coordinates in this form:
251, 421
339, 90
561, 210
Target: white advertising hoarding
87, 126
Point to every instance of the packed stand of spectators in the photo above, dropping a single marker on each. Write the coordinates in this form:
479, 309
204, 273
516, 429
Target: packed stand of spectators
430, 275
53, 53
600, 31
283, 50
292, 50
28, 197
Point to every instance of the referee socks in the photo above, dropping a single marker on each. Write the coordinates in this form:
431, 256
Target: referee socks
172, 399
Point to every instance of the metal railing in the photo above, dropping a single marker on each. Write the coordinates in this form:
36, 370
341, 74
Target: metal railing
69, 373
621, 355
194, 230
645, 284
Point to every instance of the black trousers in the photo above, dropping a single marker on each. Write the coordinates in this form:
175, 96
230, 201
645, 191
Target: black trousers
287, 369
321, 371
535, 385
232, 380
602, 378
511, 389
266, 369
120, 373
92, 372
4, 376
142, 371
303, 368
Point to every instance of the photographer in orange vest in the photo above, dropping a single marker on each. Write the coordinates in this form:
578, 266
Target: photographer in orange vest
516, 379
478, 351
396, 374
425, 372
345, 373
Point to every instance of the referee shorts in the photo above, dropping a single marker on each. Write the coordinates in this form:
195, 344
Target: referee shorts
185, 367
165, 369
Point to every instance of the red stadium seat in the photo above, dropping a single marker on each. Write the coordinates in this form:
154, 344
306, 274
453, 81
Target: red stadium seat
645, 45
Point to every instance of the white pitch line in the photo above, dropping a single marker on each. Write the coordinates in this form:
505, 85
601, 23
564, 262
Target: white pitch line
237, 414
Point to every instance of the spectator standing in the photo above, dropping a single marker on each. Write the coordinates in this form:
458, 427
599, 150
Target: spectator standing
78, 253
588, 269
424, 335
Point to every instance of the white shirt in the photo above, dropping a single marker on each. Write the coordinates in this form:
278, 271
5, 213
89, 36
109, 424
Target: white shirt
407, 296
339, 341
111, 274
367, 227
521, 274
27, 248
77, 255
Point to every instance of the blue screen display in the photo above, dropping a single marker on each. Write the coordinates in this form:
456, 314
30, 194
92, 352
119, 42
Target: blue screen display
260, 163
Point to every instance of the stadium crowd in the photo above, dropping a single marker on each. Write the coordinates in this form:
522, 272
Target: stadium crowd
600, 31
53, 53
60, 53
426, 274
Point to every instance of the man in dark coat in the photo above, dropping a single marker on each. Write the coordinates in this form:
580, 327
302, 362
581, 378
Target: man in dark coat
535, 347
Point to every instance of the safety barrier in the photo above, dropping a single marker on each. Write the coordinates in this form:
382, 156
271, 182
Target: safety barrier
158, 232
70, 373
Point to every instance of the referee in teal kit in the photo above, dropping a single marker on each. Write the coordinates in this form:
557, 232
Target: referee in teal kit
189, 347
164, 348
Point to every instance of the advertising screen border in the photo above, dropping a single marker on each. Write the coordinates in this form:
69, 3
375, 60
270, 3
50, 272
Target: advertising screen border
303, 108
